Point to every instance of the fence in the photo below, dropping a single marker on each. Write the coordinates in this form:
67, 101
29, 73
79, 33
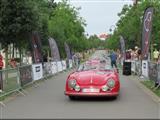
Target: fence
9, 81
12, 80
147, 69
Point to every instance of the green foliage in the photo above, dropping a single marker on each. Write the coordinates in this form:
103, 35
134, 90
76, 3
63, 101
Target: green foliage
67, 26
130, 24
60, 21
17, 20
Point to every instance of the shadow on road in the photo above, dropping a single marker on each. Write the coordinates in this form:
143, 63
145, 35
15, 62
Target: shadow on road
94, 99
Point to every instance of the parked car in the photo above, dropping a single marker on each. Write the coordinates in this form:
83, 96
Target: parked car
91, 80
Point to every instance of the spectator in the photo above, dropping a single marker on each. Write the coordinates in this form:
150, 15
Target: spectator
13, 63
158, 59
128, 55
136, 53
113, 58
155, 55
1, 61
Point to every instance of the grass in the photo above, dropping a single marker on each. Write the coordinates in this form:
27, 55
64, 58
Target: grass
150, 84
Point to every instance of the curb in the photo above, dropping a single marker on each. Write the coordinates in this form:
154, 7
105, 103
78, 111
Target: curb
145, 89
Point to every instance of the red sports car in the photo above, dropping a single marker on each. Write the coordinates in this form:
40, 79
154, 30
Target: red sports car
90, 80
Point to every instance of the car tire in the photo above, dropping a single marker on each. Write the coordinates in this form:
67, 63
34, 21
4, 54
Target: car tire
72, 97
114, 97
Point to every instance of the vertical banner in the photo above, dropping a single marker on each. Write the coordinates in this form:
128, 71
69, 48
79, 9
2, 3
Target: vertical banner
54, 50
36, 48
70, 63
68, 51
37, 71
145, 68
122, 46
47, 69
54, 67
158, 73
59, 65
153, 71
133, 66
25, 75
146, 33
64, 66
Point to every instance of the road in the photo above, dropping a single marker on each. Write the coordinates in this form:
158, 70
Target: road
48, 101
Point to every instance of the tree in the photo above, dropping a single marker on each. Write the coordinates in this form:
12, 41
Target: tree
18, 19
130, 24
66, 25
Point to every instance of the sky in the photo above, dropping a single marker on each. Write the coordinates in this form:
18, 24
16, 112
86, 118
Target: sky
100, 15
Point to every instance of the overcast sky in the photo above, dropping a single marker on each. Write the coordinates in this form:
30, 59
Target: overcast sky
100, 15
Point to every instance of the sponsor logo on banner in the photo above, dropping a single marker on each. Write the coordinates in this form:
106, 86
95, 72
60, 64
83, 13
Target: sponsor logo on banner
146, 33
38, 69
25, 75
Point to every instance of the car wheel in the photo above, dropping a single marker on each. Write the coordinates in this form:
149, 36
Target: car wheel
114, 97
72, 97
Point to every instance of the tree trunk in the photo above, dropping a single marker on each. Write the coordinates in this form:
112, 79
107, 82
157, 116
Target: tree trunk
13, 51
48, 56
20, 55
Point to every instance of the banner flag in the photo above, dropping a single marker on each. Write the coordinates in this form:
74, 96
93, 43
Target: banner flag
36, 48
146, 33
122, 46
54, 50
68, 51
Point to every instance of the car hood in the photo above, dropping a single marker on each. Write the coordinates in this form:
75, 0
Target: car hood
92, 77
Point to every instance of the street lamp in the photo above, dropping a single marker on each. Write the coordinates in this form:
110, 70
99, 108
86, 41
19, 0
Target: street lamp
112, 27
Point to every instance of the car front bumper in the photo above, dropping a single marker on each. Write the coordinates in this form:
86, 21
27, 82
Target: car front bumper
91, 94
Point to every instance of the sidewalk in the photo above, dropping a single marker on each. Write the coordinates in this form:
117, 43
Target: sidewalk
138, 80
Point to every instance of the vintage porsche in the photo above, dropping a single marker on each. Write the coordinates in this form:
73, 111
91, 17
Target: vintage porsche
93, 80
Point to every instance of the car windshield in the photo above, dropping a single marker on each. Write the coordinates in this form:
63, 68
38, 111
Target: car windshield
85, 67
101, 66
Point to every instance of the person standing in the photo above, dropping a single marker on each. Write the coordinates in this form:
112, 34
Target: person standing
155, 55
113, 57
1, 61
1, 66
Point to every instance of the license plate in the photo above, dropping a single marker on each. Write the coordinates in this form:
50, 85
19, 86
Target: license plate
90, 90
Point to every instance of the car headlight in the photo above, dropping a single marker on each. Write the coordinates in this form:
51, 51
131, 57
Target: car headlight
77, 88
111, 83
72, 83
105, 88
